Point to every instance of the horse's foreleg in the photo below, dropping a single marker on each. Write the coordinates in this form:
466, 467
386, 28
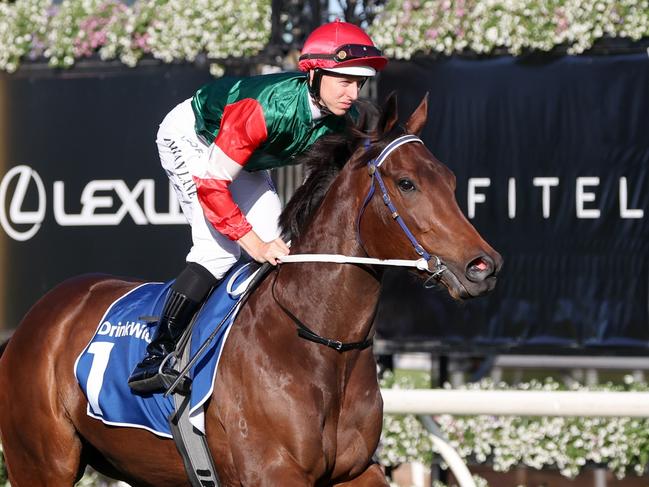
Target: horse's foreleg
372, 477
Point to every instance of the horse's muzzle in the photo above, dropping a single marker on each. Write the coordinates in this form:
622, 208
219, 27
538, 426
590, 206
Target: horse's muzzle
478, 278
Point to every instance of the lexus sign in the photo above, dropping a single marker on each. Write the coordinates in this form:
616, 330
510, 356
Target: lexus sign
102, 202
26, 179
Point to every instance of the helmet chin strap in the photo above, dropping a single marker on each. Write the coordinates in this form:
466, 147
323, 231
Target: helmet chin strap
314, 84
314, 91
323, 108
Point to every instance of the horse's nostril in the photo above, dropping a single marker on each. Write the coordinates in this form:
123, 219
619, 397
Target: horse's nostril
480, 268
479, 265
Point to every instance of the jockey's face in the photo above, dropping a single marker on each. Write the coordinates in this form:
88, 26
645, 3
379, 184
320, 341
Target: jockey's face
339, 91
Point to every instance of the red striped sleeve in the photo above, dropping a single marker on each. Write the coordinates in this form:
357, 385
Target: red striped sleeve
220, 209
242, 130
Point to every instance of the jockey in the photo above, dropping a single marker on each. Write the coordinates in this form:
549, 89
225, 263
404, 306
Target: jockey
217, 148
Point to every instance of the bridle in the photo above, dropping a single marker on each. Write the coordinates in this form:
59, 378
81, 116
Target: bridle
373, 167
424, 263
427, 262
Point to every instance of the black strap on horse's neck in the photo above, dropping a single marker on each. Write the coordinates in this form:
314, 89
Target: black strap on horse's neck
305, 332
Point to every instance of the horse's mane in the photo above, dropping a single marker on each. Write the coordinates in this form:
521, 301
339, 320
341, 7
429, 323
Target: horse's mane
322, 162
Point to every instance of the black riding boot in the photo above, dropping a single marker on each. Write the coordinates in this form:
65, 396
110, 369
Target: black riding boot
185, 297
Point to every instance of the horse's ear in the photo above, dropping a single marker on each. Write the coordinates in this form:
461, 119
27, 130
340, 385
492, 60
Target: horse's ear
390, 114
417, 120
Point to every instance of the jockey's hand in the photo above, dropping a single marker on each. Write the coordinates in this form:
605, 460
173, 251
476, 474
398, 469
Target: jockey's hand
263, 251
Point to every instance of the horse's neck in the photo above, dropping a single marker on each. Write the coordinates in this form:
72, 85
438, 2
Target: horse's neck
335, 300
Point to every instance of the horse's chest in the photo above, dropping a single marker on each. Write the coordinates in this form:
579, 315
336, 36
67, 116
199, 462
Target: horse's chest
326, 418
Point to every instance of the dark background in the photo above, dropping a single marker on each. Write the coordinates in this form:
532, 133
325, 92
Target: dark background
98, 121
568, 284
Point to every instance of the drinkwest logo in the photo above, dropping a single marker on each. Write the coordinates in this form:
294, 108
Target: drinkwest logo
103, 202
129, 329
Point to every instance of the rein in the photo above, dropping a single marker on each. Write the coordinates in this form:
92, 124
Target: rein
424, 263
421, 264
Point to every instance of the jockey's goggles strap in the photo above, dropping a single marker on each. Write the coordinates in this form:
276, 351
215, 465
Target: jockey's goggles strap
346, 52
305, 332
355, 51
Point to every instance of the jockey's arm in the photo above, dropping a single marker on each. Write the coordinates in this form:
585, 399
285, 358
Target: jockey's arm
242, 131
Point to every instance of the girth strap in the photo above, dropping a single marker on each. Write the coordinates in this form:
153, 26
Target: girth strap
191, 443
305, 332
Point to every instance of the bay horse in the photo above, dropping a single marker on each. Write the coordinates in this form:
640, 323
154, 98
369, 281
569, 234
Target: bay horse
290, 412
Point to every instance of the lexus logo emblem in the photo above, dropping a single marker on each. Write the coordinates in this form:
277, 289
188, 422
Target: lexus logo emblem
25, 175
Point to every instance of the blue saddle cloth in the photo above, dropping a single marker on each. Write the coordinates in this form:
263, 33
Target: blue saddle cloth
120, 341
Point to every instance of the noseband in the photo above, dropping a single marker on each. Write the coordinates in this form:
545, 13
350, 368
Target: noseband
373, 167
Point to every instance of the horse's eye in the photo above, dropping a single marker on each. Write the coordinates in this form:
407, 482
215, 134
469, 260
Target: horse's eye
406, 185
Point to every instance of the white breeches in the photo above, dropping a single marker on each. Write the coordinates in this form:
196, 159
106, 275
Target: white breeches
182, 155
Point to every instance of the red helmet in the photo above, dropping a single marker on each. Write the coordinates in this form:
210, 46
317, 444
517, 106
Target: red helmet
343, 48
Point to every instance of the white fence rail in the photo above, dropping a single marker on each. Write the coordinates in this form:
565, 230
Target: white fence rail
518, 403
424, 402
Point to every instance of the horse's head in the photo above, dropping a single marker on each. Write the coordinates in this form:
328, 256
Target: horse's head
421, 191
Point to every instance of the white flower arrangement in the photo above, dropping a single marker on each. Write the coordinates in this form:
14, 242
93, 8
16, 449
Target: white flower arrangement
23, 31
407, 27
169, 30
178, 30
619, 444
566, 443
479, 482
